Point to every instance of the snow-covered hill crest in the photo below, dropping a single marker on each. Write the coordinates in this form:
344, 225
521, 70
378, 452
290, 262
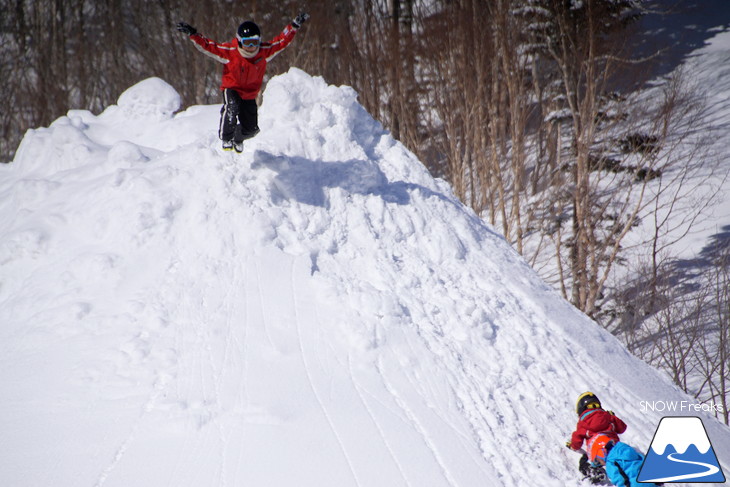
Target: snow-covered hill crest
315, 311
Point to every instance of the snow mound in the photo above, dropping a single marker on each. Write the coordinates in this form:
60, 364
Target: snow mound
317, 311
152, 99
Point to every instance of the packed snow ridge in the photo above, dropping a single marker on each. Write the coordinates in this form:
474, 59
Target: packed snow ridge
317, 311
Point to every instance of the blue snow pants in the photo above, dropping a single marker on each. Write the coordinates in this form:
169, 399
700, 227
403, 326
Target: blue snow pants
623, 463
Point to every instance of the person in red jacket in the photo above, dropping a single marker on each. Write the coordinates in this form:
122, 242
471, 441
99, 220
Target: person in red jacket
244, 65
593, 421
600, 430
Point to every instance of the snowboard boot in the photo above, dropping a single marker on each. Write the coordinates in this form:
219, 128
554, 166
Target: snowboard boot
595, 474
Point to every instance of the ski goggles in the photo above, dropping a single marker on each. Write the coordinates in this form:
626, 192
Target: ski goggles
249, 41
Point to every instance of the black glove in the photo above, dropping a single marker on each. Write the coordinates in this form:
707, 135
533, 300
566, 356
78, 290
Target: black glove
186, 28
301, 18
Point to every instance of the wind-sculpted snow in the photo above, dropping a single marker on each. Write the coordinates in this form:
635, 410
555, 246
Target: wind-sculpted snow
317, 311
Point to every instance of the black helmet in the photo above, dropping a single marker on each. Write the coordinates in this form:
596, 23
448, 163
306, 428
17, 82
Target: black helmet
587, 400
248, 30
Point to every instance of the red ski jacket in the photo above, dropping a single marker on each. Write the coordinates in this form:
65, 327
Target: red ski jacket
245, 75
593, 422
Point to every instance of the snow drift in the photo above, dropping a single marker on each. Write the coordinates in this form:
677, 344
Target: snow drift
317, 311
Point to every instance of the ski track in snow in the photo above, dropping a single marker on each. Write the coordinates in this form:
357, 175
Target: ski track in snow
381, 432
307, 369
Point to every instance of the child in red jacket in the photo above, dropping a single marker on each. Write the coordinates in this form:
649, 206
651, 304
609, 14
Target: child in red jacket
592, 420
600, 429
244, 65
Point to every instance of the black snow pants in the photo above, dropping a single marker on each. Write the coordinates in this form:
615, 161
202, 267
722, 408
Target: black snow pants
239, 117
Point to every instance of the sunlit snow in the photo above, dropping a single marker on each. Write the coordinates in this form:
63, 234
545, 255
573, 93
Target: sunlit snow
317, 311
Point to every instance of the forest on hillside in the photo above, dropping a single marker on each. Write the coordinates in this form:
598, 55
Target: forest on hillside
539, 113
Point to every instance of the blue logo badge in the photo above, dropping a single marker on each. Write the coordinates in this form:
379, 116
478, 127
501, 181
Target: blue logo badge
681, 452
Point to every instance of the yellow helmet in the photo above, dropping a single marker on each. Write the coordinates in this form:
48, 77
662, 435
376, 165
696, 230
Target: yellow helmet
587, 400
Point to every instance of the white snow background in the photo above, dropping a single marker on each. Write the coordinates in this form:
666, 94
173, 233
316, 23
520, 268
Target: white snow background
317, 311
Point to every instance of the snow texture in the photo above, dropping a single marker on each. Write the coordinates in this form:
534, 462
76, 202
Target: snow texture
317, 311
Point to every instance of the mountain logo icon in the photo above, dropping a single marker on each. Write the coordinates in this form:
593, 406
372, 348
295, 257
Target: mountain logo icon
681, 452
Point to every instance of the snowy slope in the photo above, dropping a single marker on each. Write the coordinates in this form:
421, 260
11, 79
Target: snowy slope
710, 67
317, 311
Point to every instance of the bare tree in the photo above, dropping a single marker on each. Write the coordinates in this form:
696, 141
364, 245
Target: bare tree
713, 353
687, 332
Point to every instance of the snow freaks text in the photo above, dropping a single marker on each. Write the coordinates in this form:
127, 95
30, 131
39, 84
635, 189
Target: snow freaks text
680, 407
